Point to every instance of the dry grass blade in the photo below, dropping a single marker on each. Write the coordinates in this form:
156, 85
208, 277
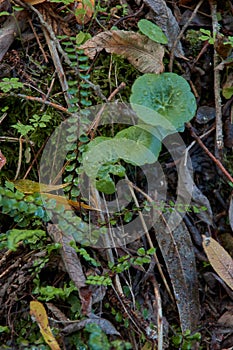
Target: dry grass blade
220, 260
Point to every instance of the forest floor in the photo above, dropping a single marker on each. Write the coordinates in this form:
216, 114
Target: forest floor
82, 267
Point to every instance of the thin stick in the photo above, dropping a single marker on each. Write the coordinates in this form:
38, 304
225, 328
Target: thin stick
49, 29
38, 41
148, 237
159, 311
42, 101
94, 124
58, 66
14, 139
170, 66
3, 117
107, 238
48, 92
20, 157
215, 160
217, 87
35, 159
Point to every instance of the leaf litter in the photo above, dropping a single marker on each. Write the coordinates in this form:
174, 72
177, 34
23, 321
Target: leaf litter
211, 204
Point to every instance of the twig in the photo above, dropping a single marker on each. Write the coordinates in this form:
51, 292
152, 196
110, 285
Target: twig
35, 159
14, 139
48, 92
159, 311
181, 34
3, 117
55, 47
92, 128
38, 41
49, 29
52, 35
20, 158
107, 238
41, 100
58, 66
129, 16
217, 87
215, 160
131, 187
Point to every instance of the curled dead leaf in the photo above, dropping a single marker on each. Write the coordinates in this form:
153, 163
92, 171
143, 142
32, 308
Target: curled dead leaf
143, 53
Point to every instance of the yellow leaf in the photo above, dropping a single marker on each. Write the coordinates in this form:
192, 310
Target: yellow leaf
28, 186
38, 312
68, 204
220, 260
84, 11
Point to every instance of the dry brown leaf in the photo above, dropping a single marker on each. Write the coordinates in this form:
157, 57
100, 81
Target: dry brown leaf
84, 11
143, 53
220, 260
177, 250
162, 15
189, 191
34, 2
67, 203
106, 326
73, 266
2, 160
11, 28
38, 312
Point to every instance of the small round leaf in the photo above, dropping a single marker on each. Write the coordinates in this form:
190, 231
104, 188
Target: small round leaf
166, 100
152, 31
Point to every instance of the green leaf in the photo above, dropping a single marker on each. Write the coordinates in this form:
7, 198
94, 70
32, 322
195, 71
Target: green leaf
23, 129
142, 136
141, 251
14, 236
227, 92
152, 31
109, 151
4, 329
105, 183
8, 84
151, 251
164, 101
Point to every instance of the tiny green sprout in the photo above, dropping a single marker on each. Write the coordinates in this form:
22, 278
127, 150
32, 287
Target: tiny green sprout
4, 13
230, 41
207, 36
8, 84
186, 340
4, 329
